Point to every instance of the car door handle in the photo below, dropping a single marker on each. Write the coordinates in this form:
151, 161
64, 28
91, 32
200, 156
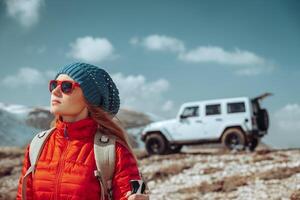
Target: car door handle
219, 119
198, 121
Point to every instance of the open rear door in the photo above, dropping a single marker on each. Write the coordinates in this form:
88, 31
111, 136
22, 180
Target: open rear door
262, 96
261, 117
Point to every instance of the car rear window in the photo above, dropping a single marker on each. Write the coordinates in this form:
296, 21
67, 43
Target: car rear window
214, 109
255, 107
236, 107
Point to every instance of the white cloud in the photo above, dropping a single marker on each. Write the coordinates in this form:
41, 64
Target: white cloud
27, 77
50, 74
91, 49
36, 50
219, 55
139, 94
134, 41
25, 11
242, 62
160, 43
288, 118
252, 70
284, 129
168, 105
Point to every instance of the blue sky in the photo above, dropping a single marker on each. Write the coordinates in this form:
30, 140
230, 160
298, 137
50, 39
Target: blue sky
160, 53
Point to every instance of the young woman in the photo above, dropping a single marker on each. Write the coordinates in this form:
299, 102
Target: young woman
84, 99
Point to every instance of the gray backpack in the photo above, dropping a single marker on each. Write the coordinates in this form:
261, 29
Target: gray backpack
104, 148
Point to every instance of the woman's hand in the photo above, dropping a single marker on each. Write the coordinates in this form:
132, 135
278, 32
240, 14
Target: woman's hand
137, 196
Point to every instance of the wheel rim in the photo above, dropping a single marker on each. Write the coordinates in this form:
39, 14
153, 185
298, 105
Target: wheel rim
233, 141
253, 143
154, 146
174, 147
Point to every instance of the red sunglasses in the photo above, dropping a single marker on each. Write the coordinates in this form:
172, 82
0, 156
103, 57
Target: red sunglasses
66, 86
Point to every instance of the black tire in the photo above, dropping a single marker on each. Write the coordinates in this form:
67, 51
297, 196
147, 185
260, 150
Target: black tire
263, 120
253, 143
156, 144
234, 139
175, 148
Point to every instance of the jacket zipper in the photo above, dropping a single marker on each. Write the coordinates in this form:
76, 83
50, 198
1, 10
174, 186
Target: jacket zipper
61, 164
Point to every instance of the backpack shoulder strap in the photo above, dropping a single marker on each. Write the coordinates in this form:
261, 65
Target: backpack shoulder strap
35, 149
36, 146
105, 153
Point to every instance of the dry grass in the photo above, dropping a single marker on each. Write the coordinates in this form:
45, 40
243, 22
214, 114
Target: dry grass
160, 158
295, 195
6, 170
280, 173
225, 185
231, 183
259, 158
166, 172
11, 152
211, 170
140, 154
263, 151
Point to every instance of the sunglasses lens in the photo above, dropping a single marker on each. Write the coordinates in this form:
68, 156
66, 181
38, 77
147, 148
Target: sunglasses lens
66, 87
52, 85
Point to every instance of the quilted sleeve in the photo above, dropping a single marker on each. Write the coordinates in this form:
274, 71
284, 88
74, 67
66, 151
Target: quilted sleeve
126, 169
26, 165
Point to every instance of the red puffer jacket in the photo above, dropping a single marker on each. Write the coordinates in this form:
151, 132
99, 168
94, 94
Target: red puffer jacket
65, 169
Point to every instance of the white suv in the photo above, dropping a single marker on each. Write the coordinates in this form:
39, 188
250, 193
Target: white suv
236, 122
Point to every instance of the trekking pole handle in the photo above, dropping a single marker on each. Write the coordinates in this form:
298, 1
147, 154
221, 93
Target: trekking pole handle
137, 186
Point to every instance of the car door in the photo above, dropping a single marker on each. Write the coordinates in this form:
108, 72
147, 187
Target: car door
212, 120
189, 126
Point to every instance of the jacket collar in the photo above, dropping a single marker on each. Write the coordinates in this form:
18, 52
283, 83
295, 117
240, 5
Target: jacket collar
81, 129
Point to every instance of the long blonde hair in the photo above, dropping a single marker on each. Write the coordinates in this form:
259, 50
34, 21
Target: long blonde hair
106, 121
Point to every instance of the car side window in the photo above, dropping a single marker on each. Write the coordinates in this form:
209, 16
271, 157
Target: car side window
214, 109
192, 111
236, 107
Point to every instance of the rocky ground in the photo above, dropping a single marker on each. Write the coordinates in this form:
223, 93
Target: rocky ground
219, 174
11, 159
197, 173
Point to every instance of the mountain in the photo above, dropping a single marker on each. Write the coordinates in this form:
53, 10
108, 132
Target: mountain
19, 111
39, 118
19, 123
13, 130
131, 118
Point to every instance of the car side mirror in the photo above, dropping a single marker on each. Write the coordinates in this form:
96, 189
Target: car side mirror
183, 116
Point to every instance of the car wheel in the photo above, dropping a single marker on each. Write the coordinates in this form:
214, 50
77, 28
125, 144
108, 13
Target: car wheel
253, 143
175, 148
234, 139
156, 144
263, 120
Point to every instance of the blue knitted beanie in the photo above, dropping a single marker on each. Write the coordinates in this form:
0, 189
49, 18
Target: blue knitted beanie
97, 85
